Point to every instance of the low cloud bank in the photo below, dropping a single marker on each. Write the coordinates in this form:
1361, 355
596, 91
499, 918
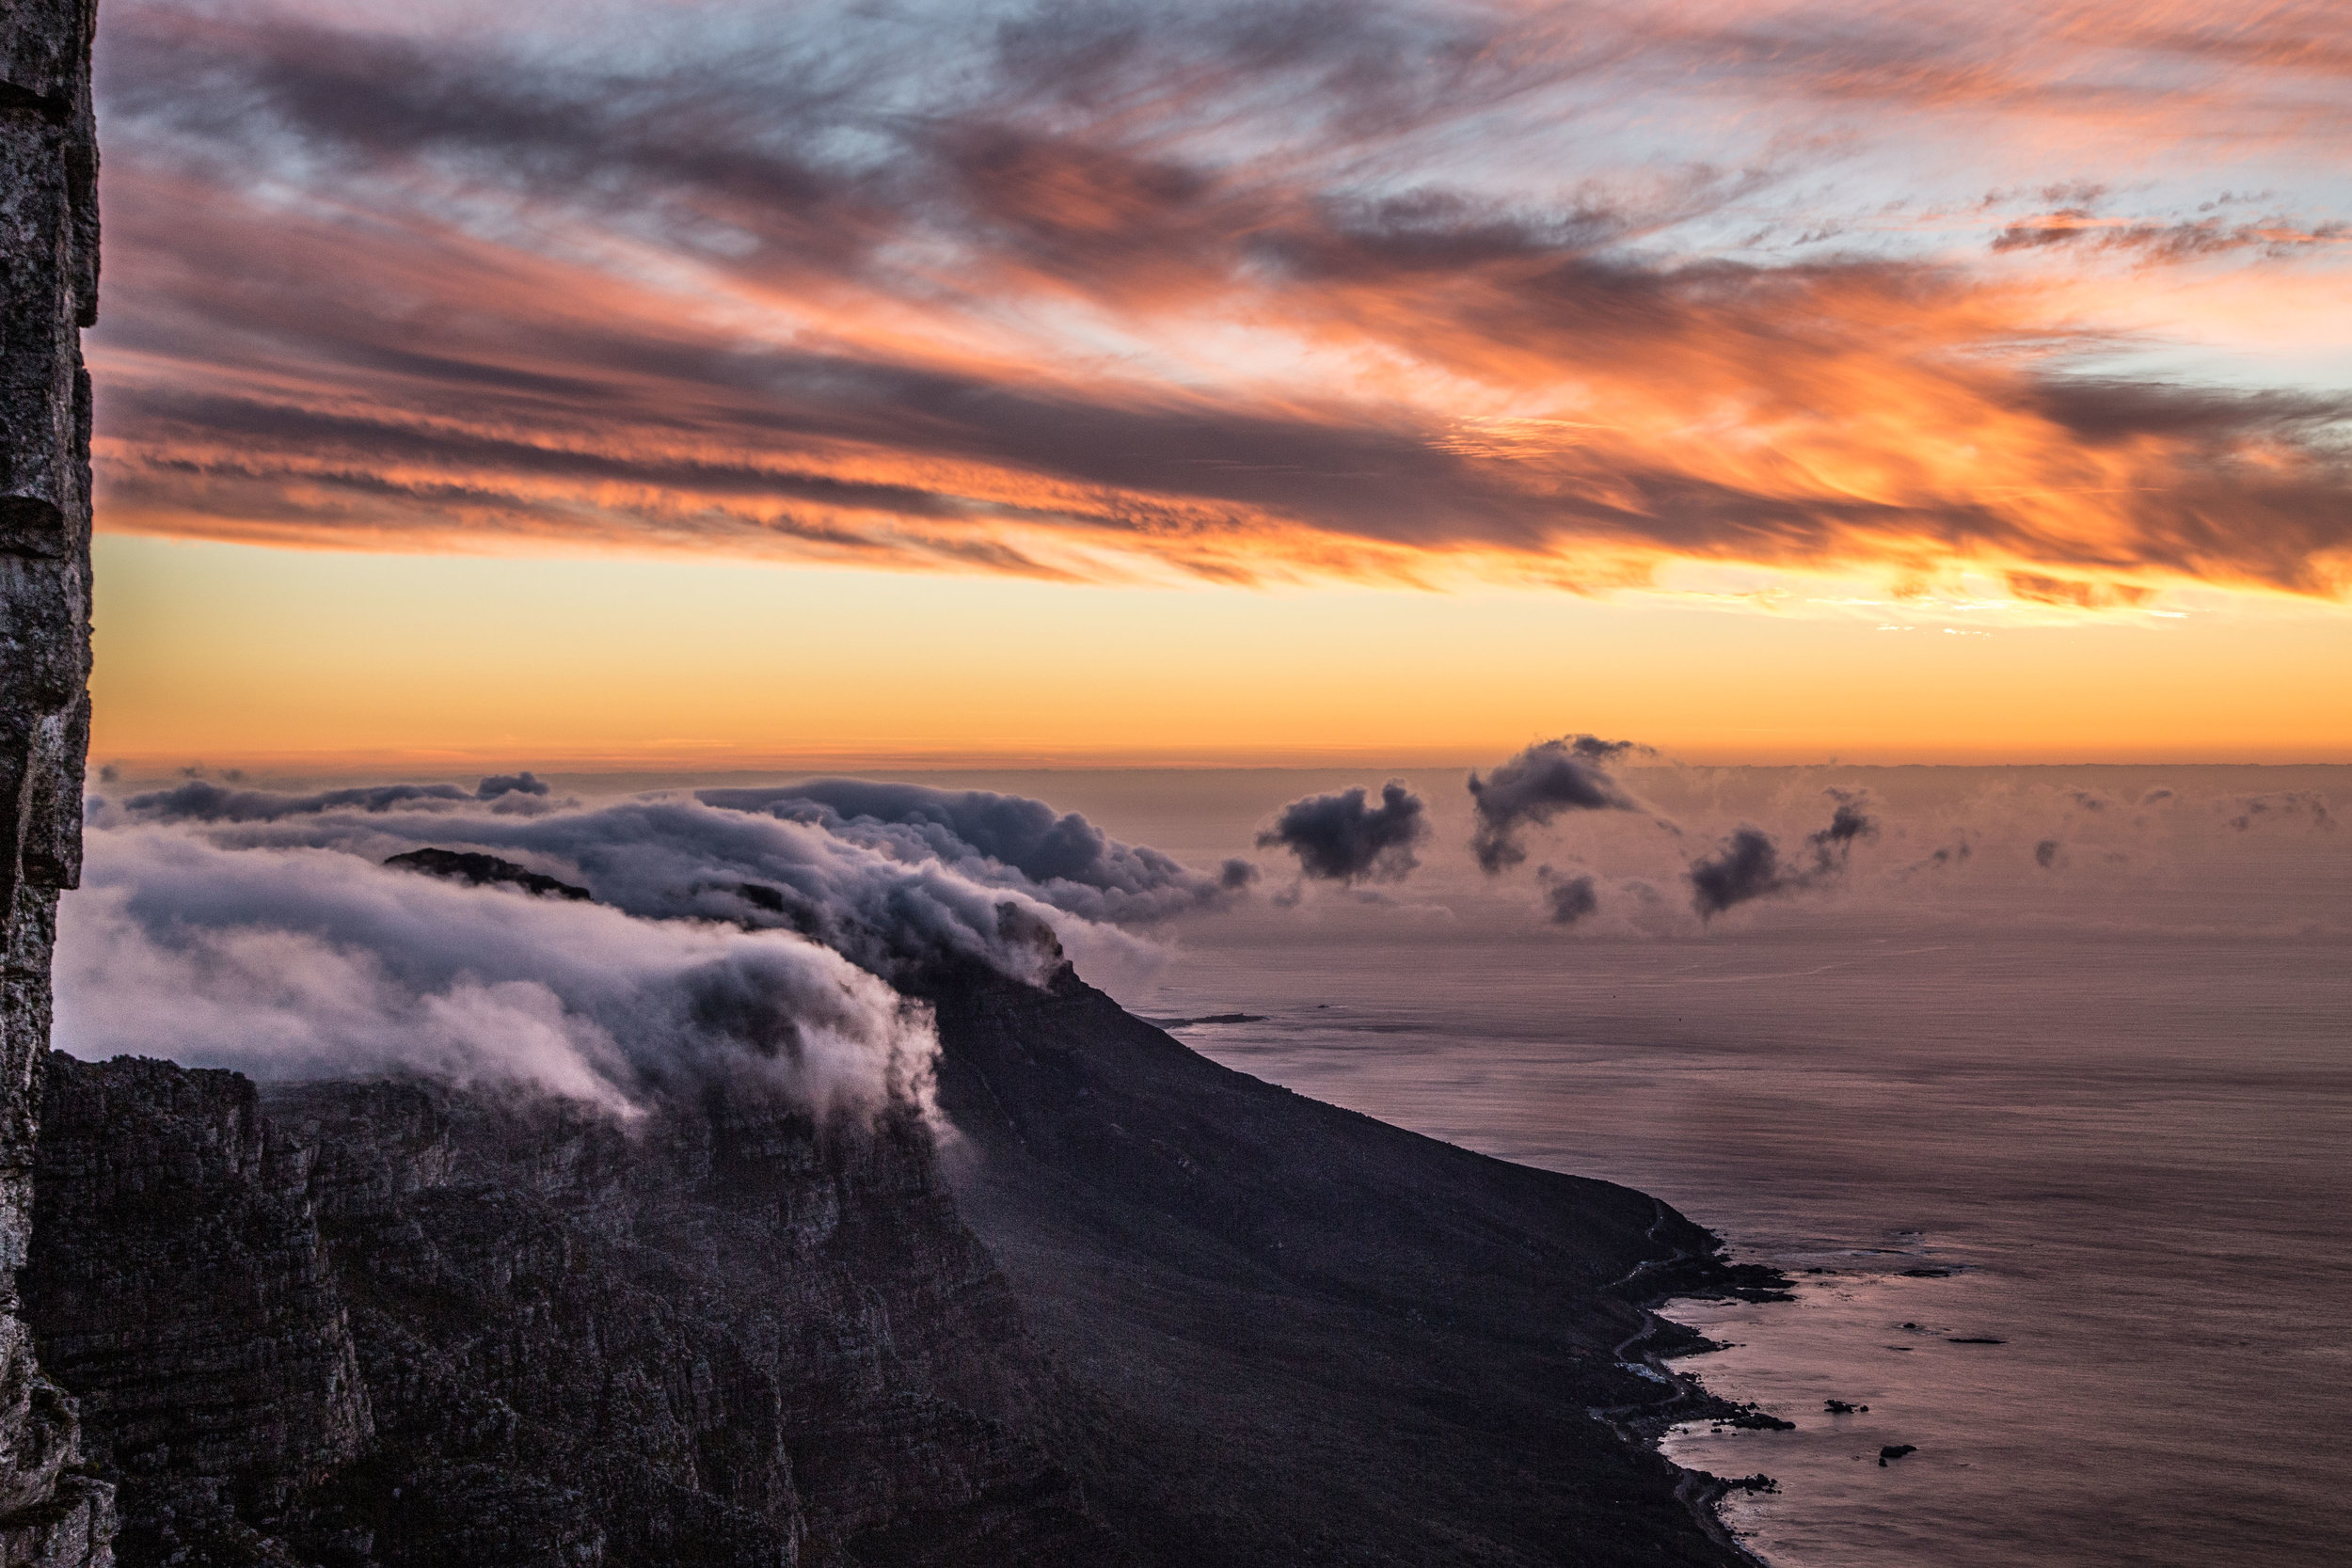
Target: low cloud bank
1341, 837
753, 931
201, 800
303, 962
1000, 840
524, 783
897, 877
1550, 777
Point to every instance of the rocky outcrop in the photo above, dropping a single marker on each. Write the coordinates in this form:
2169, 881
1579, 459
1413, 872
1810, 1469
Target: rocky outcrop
49, 256
379, 1324
486, 870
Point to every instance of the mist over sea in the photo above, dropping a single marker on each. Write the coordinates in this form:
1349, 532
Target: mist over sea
2110, 1093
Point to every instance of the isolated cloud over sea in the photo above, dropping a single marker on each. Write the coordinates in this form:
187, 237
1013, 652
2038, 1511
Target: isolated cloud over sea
1569, 774
1340, 837
1748, 864
1242, 293
1569, 897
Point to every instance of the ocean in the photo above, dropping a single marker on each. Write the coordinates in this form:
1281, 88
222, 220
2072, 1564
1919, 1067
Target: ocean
2053, 1139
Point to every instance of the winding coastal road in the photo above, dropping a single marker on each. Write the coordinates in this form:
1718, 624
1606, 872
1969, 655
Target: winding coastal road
1695, 1489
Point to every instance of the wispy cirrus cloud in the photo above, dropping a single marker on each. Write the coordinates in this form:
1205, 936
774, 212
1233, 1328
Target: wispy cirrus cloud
1382, 292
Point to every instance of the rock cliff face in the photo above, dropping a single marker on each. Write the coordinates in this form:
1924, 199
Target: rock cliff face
371, 1324
1134, 1310
209, 1347
49, 256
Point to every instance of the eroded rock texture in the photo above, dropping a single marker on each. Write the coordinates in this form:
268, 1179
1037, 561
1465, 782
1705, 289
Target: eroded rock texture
371, 1324
49, 255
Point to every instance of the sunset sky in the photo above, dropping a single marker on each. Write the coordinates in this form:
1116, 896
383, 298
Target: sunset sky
714, 383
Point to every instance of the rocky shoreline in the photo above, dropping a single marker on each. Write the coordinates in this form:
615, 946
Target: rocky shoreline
1694, 1274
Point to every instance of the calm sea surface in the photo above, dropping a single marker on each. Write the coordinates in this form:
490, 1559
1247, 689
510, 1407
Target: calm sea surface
2111, 1094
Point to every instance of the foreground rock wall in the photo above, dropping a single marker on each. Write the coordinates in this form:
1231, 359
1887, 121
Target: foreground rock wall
203, 1334
49, 267
361, 1324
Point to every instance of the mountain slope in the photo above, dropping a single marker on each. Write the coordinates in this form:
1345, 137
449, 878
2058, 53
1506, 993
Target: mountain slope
1294, 1333
1132, 1307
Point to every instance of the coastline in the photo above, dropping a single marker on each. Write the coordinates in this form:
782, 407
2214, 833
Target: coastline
1688, 1273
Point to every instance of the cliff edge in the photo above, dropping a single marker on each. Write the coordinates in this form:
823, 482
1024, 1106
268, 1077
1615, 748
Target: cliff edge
49, 1516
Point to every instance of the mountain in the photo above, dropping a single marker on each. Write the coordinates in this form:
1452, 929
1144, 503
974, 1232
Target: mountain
1127, 1308
1293, 1334
377, 1323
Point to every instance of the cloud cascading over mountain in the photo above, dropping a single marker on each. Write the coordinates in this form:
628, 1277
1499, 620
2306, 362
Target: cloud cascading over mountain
752, 932
898, 888
286, 962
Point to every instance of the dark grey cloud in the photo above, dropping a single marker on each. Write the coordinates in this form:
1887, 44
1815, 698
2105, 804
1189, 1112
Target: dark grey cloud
1849, 822
2045, 853
1341, 837
2253, 811
1550, 777
201, 800
1569, 896
1958, 852
524, 783
1748, 864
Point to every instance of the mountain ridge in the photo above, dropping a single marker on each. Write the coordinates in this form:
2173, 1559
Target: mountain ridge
1121, 1306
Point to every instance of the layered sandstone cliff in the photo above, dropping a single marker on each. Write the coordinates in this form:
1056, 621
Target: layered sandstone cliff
49, 256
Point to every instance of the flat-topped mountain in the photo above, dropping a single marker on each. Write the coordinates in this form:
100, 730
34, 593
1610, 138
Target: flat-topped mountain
1131, 1307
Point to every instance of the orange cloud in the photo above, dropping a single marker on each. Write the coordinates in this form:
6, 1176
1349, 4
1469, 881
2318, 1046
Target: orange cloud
1234, 301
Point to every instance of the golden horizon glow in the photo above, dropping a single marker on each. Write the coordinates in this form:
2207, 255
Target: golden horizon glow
232, 656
